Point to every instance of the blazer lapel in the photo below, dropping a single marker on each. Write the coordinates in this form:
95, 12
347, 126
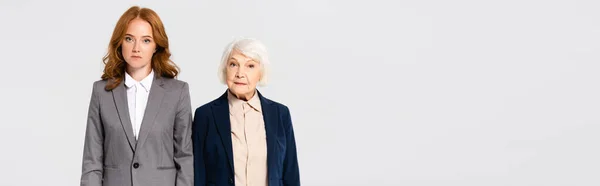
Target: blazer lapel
270, 117
120, 99
157, 92
220, 112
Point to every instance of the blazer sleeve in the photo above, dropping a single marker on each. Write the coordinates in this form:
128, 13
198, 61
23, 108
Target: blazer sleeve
182, 140
93, 148
199, 132
291, 172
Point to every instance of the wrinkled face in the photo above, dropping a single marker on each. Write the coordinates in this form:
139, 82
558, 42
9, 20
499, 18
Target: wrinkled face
242, 75
138, 46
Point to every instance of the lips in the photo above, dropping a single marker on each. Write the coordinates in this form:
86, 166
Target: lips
237, 83
136, 57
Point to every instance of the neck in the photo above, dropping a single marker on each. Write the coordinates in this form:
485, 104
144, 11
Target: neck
245, 97
139, 74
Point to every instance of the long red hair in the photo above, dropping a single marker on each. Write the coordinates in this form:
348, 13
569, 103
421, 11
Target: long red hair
114, 63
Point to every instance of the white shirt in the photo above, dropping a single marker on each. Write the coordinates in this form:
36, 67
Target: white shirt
137, 99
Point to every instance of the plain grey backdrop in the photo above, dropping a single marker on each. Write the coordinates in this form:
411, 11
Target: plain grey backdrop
416, 93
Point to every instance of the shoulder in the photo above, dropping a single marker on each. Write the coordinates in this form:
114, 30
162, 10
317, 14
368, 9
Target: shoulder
206, 108
100, 83
99, 86
283, 109
283, 112
280, 106
174, 84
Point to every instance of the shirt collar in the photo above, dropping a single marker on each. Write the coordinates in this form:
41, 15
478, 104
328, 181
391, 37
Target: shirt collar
146, 82
235, 104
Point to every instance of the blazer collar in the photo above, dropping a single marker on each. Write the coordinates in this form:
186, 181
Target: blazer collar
154, 101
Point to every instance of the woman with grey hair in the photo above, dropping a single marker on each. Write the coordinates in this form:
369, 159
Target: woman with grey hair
243, 138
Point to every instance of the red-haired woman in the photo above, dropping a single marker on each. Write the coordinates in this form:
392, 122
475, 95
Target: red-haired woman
139, 119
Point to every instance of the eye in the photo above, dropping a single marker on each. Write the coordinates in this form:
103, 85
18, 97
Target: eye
128, 39
231, 64
251, 66
147, 41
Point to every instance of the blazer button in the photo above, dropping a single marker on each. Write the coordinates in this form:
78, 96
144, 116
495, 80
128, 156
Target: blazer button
230, 180
136, 165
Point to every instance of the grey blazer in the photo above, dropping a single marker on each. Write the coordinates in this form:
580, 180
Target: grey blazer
161, 156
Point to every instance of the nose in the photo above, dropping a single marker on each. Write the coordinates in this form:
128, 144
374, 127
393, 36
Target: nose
240, 73
136, 47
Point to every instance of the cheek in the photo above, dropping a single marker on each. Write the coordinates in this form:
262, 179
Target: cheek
125, 48
149, 50
255, 77
229, 74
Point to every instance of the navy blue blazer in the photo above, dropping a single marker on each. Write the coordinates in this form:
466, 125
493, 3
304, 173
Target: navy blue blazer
211, 136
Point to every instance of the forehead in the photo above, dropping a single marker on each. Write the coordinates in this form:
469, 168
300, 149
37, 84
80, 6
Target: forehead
239, 56
139, 27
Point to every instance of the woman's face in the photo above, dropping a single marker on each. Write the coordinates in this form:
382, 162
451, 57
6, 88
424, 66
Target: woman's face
242, 75
138, 46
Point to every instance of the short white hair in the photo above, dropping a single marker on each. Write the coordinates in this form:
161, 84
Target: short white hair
251, 48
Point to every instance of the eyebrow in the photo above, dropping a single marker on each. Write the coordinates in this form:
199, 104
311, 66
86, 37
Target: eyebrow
249, 60
142, 36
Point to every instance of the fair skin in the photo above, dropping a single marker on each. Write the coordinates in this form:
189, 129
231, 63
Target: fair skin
137, 48
242, 75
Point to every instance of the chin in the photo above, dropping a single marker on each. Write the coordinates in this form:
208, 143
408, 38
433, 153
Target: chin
240, 90
135, 65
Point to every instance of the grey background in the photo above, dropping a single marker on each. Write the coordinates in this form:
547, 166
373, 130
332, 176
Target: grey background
419, 93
